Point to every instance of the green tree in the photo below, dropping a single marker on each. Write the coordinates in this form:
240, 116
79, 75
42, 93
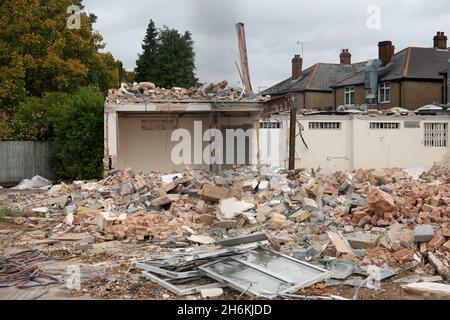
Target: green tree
77, 149
168, 58
146, 68
39, 54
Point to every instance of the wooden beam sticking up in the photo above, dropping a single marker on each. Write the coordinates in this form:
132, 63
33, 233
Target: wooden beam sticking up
244, 58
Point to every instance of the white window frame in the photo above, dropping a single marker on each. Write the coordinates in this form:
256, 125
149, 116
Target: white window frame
348, 91
324, 125
386, 88
435, 134
384, 125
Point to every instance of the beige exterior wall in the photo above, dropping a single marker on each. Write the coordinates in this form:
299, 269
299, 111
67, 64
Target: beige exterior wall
151, 149
355, 146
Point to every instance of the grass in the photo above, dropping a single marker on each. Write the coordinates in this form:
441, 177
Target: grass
6, 212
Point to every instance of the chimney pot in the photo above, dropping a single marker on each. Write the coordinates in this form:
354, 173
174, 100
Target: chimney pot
440, 40
385, 51
297, 64
346, 57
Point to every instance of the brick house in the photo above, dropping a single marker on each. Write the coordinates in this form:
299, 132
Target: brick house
312, 87
408, 79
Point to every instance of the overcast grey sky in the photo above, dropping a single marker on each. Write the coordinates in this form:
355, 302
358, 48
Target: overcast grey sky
273, 29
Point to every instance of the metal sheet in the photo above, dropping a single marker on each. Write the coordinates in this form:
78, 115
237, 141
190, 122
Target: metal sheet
256, 237
171, 274
180, 290
265, 273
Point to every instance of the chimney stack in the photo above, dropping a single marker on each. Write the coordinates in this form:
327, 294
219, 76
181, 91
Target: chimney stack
385, 51
440, 40
346, 57
297, 63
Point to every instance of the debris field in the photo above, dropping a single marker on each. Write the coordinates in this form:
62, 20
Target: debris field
254, 232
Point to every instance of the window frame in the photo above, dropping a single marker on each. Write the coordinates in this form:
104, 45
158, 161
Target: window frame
385, 87
348, 91
431, 136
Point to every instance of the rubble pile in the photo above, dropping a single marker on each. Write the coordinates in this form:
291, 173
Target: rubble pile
214, 91
345, 222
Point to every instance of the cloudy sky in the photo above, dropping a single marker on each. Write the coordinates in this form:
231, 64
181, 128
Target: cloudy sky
273, 30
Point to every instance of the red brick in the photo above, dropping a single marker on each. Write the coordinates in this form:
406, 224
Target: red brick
435, 242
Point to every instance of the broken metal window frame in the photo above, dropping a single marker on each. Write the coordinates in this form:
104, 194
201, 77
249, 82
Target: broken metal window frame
292, 288
166, 283
167, 273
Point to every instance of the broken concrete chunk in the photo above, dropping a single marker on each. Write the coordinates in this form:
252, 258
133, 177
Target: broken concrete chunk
201, 207
166, 199
171, 177
363, 240
214, 194
300, 216
310, 204
231, 208
126, 189
439, 266
340, 243
201, 239
423, 233
211, 293
278, 221
428, 290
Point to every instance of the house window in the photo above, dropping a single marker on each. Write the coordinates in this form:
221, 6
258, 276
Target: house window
435, 134
269, 125
349, 96
384, 125
324, 125
384, 92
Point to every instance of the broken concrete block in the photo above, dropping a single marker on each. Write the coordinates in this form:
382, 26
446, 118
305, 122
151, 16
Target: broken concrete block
340, 243
428, 290
310, 204
201, 239
166, 199
206, 219
211, 293
431, 279
201, 207
423, 233
231, 208
439, 266
171, 177
278, 221
300, 216
126, 189
263, 185
214, 194
363, 240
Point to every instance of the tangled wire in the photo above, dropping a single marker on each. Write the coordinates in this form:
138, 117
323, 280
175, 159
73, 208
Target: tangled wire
16, 270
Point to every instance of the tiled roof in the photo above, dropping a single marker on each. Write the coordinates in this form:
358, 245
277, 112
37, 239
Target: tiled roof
318, 77
410, 63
